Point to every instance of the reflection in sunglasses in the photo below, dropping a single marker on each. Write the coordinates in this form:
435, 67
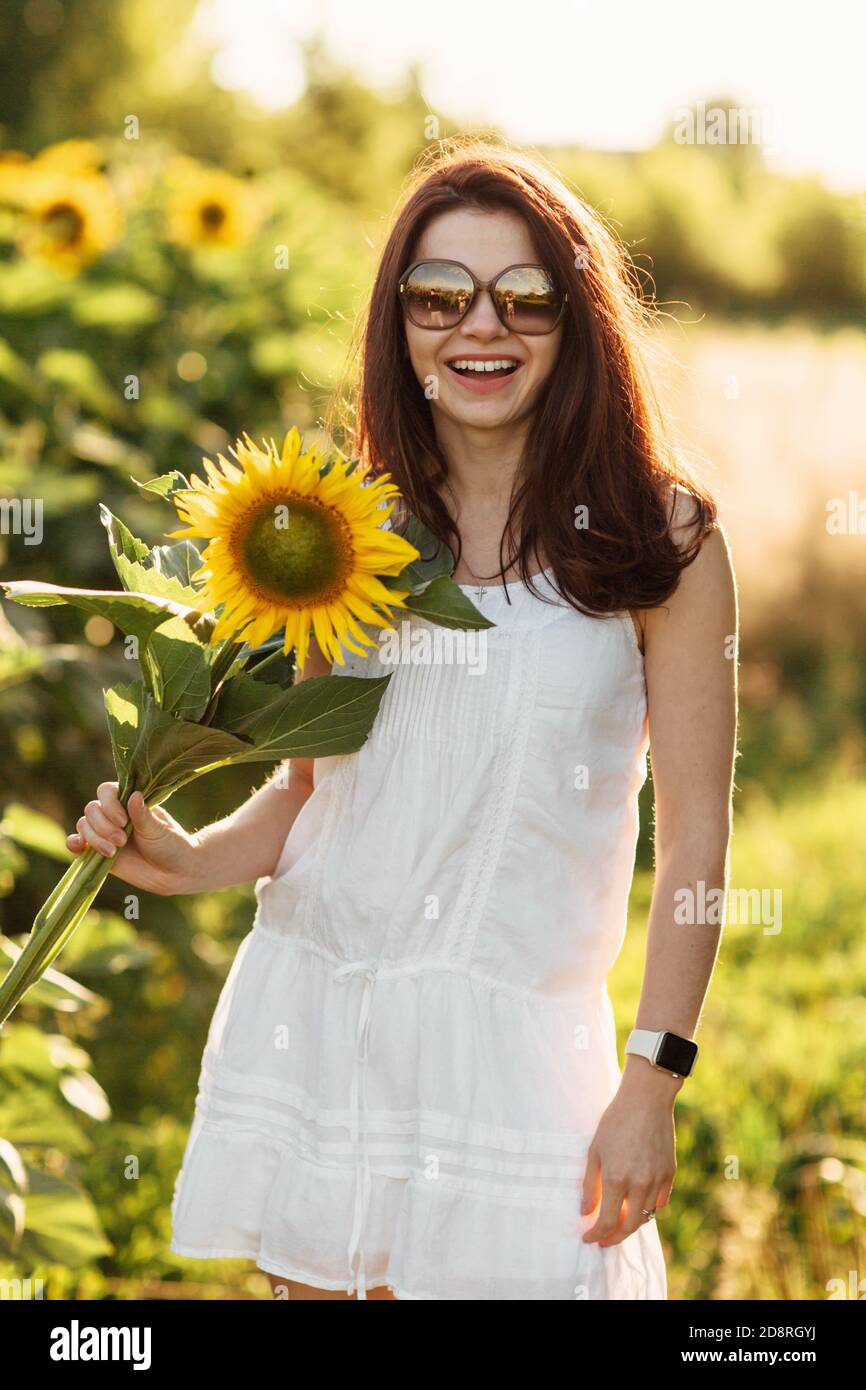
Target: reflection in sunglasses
440, 294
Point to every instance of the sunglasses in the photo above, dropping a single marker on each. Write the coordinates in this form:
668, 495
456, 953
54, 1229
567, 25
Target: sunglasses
439, 294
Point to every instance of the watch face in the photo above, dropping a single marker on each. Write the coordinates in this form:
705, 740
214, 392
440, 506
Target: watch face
676, 1054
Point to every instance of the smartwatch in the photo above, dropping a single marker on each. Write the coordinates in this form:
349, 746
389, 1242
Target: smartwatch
667, 1051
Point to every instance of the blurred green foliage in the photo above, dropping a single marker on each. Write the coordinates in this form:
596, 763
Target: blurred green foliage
161, 349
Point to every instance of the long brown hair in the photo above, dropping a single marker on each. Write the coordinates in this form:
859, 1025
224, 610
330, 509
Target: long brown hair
596, 440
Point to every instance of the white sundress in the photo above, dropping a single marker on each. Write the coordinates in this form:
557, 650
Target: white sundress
415, 1042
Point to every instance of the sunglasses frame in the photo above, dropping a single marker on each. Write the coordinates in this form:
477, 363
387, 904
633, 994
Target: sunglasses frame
480, 285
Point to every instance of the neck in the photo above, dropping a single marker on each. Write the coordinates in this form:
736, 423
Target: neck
482, 470
482, 464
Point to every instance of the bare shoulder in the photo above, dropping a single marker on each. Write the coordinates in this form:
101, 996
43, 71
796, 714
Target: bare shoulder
702, 610
706, 587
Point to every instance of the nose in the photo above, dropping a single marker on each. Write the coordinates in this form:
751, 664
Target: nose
482, 321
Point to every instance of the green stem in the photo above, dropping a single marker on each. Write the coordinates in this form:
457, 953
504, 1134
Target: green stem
223, 663
277, 655
54, 924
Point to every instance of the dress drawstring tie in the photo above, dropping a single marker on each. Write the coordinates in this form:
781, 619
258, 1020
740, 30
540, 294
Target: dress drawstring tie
358, 1106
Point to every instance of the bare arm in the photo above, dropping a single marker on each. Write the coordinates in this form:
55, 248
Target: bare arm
690, 662
691, 686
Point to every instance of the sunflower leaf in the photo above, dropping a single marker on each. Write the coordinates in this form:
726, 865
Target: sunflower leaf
444, 602
178, 671
436, 560
122, 709
121, 541
136, 614
180, 561
165, 484
147, 579
156, 752
276, 666
438, 555
316, 718
319, 718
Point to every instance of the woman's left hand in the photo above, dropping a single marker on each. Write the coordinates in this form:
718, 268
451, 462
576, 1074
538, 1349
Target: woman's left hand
631, 1164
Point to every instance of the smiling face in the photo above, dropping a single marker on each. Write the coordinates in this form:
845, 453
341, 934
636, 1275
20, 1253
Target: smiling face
471, 394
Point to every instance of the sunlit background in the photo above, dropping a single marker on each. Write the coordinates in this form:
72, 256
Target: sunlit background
191, 202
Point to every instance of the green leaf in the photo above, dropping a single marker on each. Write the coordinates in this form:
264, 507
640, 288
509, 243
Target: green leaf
180, 561
106, 944
160, 410
121, 541
12, 1170
147, 579
154, 750
91, 441
33, 831
34, 1116
436, 556
172, 752
177, 668
166, 569
123, 711
14, 370
20, 663
276, 666
137, 614
118, 307
78, 374
436, 560
26, 1052
55, 990
30, 287
62, 1226
83, 1092
165, 484
443, 602
317, 718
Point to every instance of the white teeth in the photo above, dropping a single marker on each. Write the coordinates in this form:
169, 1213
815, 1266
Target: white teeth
468, 364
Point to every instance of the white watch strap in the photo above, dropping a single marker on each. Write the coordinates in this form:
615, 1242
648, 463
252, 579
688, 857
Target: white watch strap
643, 1042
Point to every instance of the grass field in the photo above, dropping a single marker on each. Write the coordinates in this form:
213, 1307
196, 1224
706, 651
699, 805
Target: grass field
770, 1197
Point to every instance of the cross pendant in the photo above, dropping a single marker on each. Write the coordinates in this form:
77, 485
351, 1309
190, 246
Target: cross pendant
479, 593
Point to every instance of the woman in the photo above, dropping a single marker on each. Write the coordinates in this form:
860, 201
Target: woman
410, 1087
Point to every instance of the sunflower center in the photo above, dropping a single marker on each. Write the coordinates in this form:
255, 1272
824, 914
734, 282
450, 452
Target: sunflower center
213, 216
63, 223
296, 548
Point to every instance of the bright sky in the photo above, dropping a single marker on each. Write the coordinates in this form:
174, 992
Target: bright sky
607, 75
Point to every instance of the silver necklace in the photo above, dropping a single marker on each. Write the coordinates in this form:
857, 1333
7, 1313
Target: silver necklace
481, 590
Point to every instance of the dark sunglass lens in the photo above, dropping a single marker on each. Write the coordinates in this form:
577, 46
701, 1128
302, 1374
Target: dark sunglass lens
437, 294
528, 299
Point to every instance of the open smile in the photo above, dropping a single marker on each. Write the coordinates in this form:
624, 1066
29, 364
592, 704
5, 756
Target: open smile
483, 375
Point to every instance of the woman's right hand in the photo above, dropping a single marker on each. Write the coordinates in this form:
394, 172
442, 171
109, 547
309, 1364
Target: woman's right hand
156, 856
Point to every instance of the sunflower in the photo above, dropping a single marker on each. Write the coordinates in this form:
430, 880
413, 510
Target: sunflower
208, 207
292, 546
75, 157
69, 220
